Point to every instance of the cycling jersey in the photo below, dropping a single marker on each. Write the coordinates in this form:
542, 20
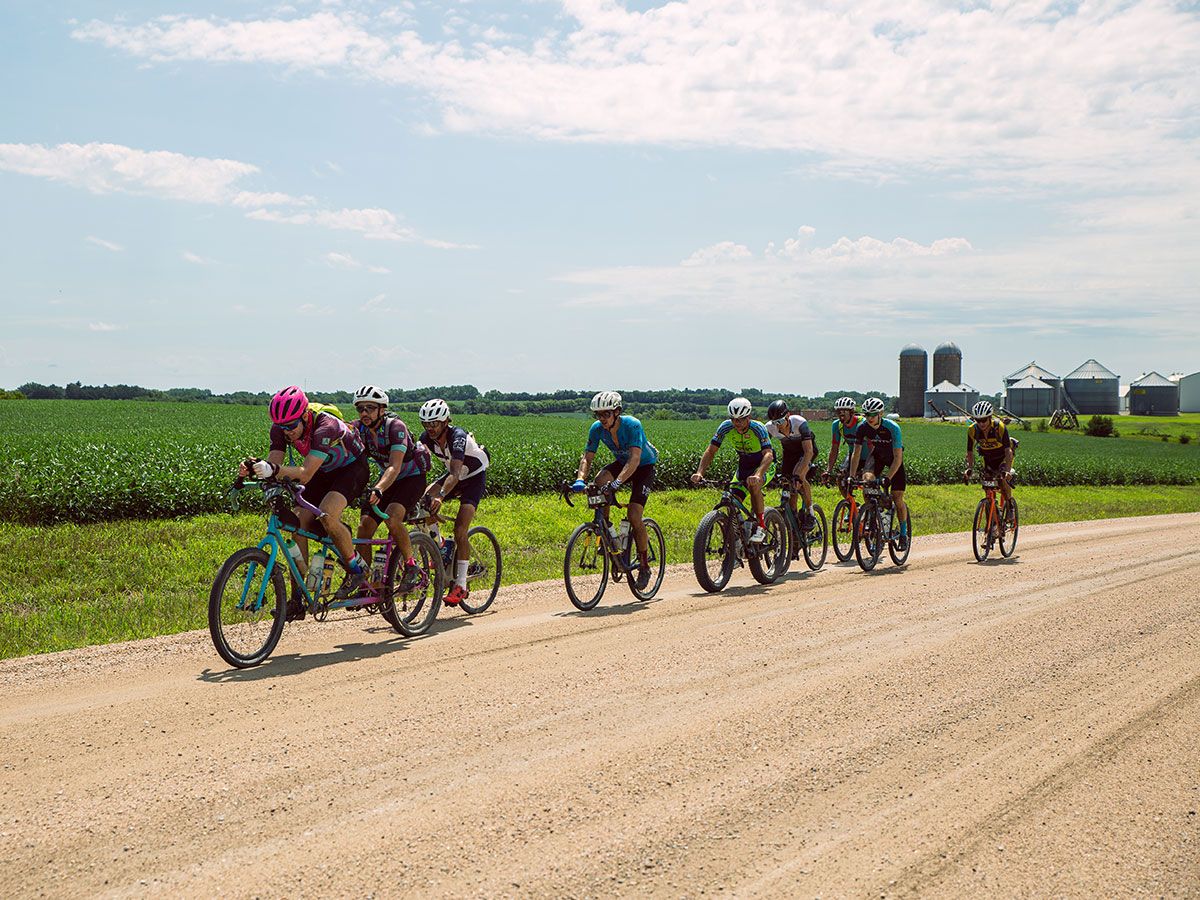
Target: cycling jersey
755, 440
798, 431
878, 443
630, 434
328, 438
460, 444
392, 434
990, 441
846, 432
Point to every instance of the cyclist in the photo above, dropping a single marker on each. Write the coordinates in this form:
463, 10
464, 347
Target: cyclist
799, 447
466, 473
995, 446
633, 464
885, 452
755, 456
845, 426
402, 467
333, 473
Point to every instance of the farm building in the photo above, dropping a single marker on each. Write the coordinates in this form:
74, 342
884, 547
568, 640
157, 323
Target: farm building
1030, 397
1189, 392
1153, 395
962, 396
1033, 370
1093, 390
914, 372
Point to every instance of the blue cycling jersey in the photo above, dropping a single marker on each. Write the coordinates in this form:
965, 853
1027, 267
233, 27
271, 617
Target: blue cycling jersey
879, 442
630, 434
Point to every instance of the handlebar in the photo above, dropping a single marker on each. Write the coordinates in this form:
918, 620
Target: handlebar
565, 490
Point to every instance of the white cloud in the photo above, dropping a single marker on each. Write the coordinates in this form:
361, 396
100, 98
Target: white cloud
311, 309
105, 326
189, 256
725, 251
101, 242
346, 261
376, 305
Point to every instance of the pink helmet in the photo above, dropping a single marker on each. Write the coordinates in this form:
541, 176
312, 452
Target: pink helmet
288, 404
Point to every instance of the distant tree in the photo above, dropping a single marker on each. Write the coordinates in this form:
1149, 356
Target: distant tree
35, 391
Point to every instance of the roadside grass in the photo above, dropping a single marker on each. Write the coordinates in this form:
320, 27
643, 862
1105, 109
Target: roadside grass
74, 585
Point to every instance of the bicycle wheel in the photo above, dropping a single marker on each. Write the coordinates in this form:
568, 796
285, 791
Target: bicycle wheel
656, 559
483, 570
412, 613
900, 557
585, 567
816, 544
868, 543
843, 531
1008, 536
246, 611
979, 532
712, 551
771, 560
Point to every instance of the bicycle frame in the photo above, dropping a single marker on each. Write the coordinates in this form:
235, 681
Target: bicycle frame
600, 504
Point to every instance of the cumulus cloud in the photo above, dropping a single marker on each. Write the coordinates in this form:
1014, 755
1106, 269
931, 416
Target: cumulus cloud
101, 242
346, 261
725, 251
195, 259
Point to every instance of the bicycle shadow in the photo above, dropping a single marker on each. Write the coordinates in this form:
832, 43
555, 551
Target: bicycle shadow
619, 609
1001, 561
742, 590
440, 626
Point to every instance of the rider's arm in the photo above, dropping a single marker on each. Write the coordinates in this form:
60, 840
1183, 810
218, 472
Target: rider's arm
897, 461
304, 473
585, 464
707, 458
854, 456
834, 449
767, 458
388, 476
631, 466
454, 475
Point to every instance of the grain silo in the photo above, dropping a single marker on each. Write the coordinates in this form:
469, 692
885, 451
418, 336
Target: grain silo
1029, 397
1033, 370
914, 374
947, 364
1153, 395
1094, 390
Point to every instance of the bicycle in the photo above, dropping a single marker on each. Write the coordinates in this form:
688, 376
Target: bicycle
596, 547
871, 532
813, 543
844, 515
723, 539
995, 520
484, 567
245, 623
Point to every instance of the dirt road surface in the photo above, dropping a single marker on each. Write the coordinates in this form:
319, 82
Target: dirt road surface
1022, 728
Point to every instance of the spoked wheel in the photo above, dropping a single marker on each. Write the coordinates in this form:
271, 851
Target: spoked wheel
868, 546
585, 567
413, 612
843, 531
656, 561
483, 570
247, 608
900, 557
816, 545
1008, 537
979, 532
771, 560
712, 551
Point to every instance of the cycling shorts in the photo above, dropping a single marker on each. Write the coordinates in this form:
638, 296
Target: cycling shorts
468, 492
405, 491
349, 481
640, 483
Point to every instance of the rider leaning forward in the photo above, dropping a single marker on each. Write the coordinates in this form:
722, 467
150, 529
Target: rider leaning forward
884, 457
995, 446
755, 456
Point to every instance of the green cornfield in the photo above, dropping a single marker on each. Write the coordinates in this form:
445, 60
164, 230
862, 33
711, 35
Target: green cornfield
63, 461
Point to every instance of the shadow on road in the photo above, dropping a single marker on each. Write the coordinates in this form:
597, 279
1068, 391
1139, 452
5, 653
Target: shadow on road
620, 609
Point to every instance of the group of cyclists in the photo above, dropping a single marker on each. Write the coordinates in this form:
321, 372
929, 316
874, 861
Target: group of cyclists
334, 466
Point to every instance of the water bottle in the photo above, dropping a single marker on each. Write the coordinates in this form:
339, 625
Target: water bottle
614, 534
378, 565
623, 535
448, 552
748, 528
436, 534
327, 574
313, 581
293, 550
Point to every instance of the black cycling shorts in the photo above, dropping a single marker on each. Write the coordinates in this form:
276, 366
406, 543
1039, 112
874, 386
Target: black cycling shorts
405, 491
792, 454
468, 492
748, 464
349, 481
640, 484
993, 462
898, 483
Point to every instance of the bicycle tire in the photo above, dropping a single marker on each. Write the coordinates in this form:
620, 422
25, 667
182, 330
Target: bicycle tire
656, 549
715, 523
843, 530
812, 558
228, 637
899, 558
410, 615
1008, 537
771, 561
486, 553
979, 532
585, 546
868, 541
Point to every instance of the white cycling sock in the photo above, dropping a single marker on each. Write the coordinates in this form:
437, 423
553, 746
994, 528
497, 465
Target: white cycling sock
460, 577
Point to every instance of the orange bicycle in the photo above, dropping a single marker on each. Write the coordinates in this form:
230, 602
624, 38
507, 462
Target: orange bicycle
996, 521
845, 514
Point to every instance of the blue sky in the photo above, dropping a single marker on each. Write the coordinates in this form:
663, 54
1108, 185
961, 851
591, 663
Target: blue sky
528, 195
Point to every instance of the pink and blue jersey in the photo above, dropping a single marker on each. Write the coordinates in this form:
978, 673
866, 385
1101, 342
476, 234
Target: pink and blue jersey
328, 438
390, 435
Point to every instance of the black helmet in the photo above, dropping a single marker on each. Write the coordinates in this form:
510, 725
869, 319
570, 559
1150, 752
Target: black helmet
777, 410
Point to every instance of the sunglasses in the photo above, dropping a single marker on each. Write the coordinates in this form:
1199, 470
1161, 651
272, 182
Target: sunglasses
605, 413
292, 425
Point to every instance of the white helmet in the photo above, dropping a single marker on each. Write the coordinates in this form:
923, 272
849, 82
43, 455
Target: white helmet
368, 393
981, 410
434, 411
739, 408
872, 406
844, 403
606, 400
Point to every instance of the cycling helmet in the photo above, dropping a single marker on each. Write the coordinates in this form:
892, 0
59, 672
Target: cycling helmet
368, 393
981, 410
873, 406
606, 400
434, 411
844, 403
777, 410
739, 408
288, 405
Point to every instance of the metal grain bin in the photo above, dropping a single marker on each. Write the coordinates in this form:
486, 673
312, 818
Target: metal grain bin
1153, 395
943, 395
1029, 397
947, 364
914, 374
1033, 370
1094, 390
1189, 393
